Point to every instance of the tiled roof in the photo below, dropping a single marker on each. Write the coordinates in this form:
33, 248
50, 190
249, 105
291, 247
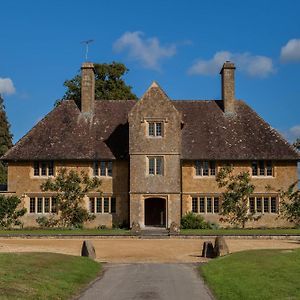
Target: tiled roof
66, 134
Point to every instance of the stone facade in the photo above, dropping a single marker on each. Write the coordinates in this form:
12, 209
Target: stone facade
154, 146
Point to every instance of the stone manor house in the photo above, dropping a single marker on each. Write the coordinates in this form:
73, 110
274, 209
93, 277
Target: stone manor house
157, 158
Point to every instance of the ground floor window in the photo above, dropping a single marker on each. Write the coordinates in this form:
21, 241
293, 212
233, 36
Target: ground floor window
263, 204
206, 204
42, 205
102, 205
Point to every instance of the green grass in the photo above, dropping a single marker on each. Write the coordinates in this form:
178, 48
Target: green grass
64, 231
44, 275
240, 231
257, 274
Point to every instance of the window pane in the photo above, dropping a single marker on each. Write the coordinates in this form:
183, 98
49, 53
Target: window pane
254, 168
47, 205
99, 205
252, 205
212, 168
50, 168
109, 168
36, 171
261, 168
113, 205
195, 205
158, 129
266, 205
92, 205
269, 168
54, 205
95, 169
258, 205
106, 205
102, 168
32, 205
40, 205
202, 205
198, 167
208, 205
44, 169
205, 168
151, 166
216, 205
151, 129
273, 205
158, 166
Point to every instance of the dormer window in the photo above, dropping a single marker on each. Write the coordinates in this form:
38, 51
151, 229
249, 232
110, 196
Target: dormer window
155, 129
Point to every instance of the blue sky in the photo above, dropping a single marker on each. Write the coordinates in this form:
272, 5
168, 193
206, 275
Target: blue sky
180, 44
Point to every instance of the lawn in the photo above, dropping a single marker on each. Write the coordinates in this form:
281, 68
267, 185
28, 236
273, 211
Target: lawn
256, 274
44, 275
64, 231
240, 231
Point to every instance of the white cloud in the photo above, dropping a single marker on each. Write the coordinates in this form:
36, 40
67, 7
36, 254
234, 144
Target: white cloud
292, 133
291, 51
147, 51
252, 65
6, 86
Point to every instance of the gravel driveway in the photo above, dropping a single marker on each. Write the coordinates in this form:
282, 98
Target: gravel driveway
148, 282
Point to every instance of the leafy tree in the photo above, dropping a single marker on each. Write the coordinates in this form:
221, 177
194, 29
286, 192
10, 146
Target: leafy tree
109, 84
70, 188
9, 213
291, 203
297, 144
5, 140
238, 188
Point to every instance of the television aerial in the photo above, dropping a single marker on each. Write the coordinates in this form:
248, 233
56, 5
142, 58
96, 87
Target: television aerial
87, 42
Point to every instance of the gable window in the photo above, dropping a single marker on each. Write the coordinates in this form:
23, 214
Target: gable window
102, 168
155, 165
205, 168
43, 168
155, 129
102, 205
262, 168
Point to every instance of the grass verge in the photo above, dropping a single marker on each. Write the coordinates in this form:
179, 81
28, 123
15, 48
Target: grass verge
256, 274
240, 231
44, 275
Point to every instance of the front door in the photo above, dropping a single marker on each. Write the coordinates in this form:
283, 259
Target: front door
155, 212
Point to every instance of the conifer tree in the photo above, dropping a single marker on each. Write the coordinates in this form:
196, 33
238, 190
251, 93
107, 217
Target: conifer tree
5, 140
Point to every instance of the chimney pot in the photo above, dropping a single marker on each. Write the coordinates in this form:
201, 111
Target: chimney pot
228, 86
87, 87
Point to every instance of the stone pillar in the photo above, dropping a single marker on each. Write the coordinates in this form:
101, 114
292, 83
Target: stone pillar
228, 94
87, 88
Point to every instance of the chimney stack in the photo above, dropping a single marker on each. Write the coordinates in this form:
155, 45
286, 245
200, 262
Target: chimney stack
87, 88
228, 95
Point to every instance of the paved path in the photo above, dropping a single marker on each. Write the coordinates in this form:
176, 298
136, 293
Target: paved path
148, 282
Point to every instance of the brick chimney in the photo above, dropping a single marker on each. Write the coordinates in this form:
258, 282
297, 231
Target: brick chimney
228, 96
87, 88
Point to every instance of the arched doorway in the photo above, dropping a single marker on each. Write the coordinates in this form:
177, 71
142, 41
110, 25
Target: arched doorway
155, 212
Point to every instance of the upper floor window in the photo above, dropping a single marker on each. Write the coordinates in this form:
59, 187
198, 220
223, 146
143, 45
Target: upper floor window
155, 129
102, 168
205, 168
43, 168
262, 168
155, 165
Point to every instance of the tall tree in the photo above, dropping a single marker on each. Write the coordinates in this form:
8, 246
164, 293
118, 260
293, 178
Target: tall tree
5, 140
238, 189
109, 84
297, 144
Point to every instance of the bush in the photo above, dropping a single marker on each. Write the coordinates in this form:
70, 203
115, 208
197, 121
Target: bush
9, 214
193, 221
49, 222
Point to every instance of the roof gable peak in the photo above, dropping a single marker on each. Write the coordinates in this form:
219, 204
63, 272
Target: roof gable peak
155, 91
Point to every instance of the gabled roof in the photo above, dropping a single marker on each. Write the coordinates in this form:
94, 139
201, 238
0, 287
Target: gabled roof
66, 134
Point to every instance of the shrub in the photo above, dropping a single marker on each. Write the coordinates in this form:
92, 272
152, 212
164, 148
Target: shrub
9, 214
193, 221
49, 222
